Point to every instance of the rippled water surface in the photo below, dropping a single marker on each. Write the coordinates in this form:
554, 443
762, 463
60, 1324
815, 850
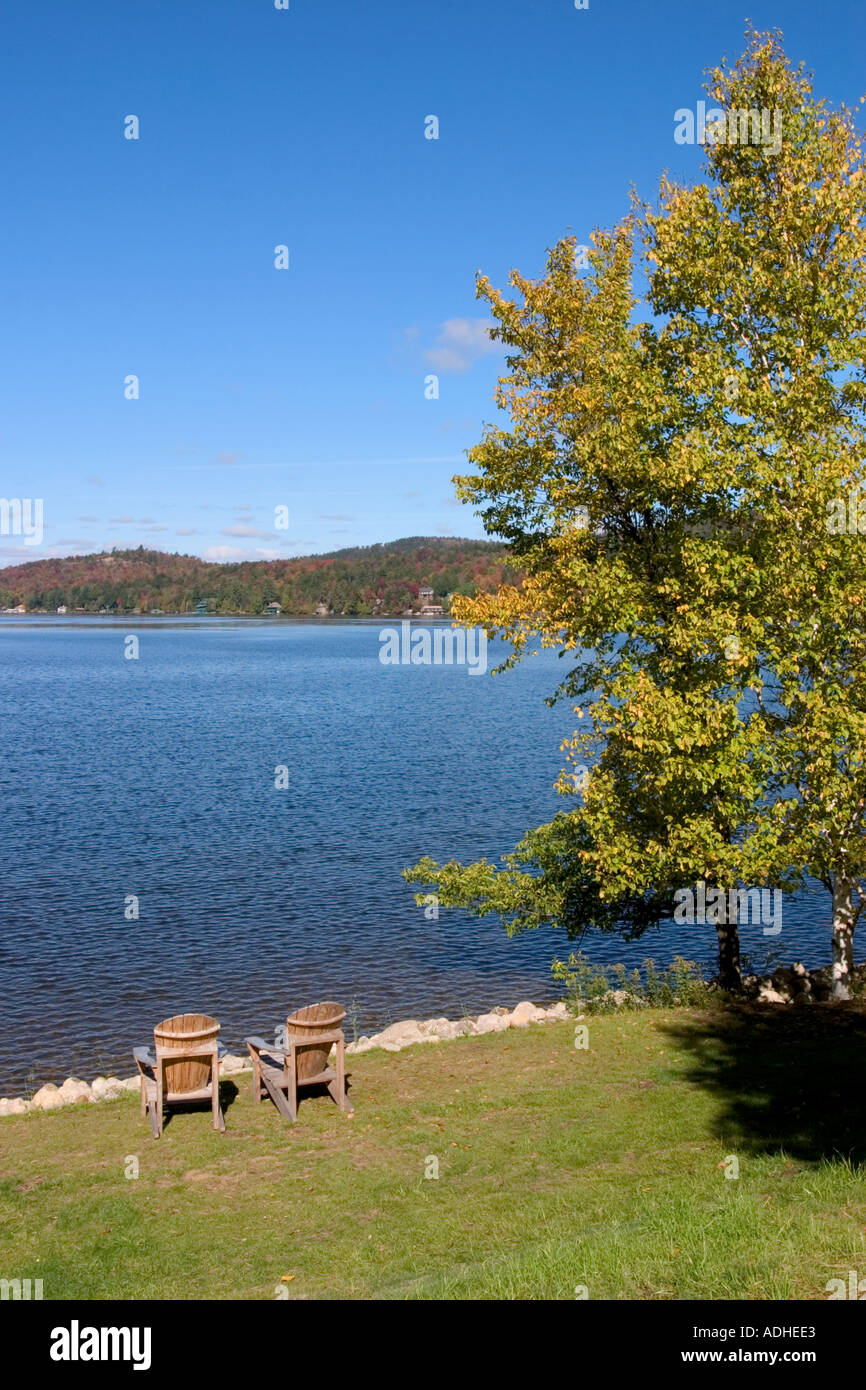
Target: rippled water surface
155, 778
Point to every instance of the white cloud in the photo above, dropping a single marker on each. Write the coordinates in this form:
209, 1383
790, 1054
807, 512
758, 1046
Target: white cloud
25, 554
241, 529
460, 343
224, 552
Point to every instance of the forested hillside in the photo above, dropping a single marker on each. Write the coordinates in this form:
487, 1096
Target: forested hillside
367, 580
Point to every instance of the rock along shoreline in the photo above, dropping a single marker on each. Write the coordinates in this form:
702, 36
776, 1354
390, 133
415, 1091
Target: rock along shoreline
787, 985
394, 1038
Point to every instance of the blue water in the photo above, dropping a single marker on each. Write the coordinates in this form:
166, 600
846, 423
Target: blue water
155, 778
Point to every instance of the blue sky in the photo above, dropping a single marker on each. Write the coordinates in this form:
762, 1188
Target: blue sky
260, 127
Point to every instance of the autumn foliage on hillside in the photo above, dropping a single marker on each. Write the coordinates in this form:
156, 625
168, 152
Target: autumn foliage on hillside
367, 580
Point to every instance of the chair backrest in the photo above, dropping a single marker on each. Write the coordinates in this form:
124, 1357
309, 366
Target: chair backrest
305, 1025
187, 1033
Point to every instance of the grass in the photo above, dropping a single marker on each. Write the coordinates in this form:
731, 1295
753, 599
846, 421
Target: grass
558, 1168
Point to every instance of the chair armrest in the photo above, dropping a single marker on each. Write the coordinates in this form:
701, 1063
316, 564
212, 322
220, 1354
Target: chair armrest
144, 1056
261, 1045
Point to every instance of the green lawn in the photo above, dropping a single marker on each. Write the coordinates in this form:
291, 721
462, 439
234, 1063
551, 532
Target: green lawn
557, 1168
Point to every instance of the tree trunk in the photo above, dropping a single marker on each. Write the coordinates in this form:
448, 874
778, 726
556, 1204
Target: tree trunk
730, 974
843, 936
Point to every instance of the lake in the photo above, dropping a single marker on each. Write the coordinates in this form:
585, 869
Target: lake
154, 779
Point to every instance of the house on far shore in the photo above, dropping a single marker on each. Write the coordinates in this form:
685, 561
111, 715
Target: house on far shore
429, 609
322, 610
274, 610
62, 608
201, 608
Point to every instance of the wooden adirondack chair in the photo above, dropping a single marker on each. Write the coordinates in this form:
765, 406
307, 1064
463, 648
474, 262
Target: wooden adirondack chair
282, 1071
184, 1067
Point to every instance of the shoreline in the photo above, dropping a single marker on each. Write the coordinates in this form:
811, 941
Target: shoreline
404, 1033
126, 618
787, 985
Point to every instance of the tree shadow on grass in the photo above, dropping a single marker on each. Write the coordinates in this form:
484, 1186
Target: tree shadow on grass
786, 1077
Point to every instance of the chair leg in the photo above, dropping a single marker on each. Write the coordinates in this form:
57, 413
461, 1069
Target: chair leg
218, 1121
257, 1076
337, 1087
279, 1100
292, 1093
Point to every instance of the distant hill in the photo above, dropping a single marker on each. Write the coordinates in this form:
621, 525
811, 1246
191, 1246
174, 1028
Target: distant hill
359, 581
